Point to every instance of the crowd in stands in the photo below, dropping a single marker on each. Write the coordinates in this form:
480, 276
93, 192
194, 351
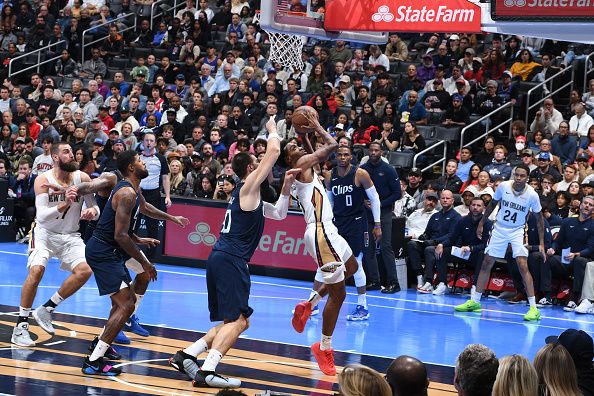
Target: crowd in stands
198, 87
563, 366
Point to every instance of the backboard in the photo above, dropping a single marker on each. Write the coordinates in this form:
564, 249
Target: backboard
305, 17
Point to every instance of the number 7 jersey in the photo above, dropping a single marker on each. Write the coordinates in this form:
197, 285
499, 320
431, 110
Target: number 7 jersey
66, 222
514, 207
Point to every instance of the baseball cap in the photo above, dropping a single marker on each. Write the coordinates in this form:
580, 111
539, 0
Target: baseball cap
170, 111
125, 109
180, 76
469, 51
42, 108
99, 141
198, 156
427, 56
415, 172
583, 157
140, 74
578, 343
521, 138
589, 183
528, 152
454, 37
20, 140
170, 88
544, 156
95, 120
508, 73
114, 132
119, 141
271, 70
457, 97
440, 66
339, 126
329, 85
345, 79
431, 195
103, 107
461, 81
229, 53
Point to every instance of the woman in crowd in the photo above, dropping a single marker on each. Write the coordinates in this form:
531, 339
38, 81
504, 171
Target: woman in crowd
224, 188
359, 380
114, 109
390, 111
525, 67
556, 371
483, 185
485, 156
534, 143
84, 161
574, 100
216, 106
495, 64
587, 145
23, 131
412, 140
575, 193
515, 376
316, 79
472, 177
325, 116
67, 131
6, 141
588, 98
204, 187
178, 183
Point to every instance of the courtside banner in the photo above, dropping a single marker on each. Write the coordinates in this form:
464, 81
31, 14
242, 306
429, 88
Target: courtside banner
281, 244
527, 10
447, 16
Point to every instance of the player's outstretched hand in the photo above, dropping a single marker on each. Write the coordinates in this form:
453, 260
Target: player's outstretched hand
271, 125
148, 242
181, 221
88, 214
312, 119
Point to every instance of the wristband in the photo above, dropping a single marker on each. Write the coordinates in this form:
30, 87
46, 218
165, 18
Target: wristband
377, 226
273, 135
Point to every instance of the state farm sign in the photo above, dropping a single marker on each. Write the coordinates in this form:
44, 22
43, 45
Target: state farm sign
454, 16
542, 9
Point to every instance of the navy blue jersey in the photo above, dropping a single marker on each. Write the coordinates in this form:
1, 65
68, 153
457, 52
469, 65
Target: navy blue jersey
348, 198
241, 230
105, 230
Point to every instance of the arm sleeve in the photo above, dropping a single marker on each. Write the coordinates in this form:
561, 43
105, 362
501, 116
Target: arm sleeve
44, 212
91, 203
330, 197
375, 203
279, 210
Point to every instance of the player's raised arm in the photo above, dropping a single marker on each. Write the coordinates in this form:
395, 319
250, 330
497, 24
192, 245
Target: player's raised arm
321, 154
255, 179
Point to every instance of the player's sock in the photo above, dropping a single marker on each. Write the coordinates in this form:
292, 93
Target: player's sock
212, 360
532, 301
326, 342
314, 298
475, 295
53, 302
197, 348
137, 303
24, 314
99, 350
362, 300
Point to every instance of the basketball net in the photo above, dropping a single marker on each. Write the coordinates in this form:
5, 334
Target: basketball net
284, 48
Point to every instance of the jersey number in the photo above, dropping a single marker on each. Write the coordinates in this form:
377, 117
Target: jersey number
508, 216
348, 200
226, 222
63, 214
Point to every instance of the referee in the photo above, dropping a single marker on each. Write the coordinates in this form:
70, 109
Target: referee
151, 186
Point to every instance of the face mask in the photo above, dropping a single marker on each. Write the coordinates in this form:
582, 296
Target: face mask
520, 146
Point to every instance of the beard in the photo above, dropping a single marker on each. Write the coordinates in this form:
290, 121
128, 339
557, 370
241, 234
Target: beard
141, 173
68, 166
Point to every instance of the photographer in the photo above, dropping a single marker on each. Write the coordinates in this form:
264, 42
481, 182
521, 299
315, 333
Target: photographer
224, 188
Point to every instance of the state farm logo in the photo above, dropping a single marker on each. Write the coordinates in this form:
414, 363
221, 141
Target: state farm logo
516, 3
383, 14
202, 235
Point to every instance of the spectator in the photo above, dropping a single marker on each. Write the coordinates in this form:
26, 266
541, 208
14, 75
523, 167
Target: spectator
587, 145
413, 110
407, 376
449, 181
579, 345
499, 169
396, 48
357, 379
547, 119
434, 242
494, 64
515, 376
577, 236
525, 68
24, 196
569, 176
427, 70
545, 168
44, 162
385, 179
178, 183
556, 371
472, 179
482, 186
580, 123
584, 168
476, 371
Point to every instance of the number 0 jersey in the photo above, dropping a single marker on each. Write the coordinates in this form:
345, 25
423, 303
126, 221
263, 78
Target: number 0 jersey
67, 221
241, 230
514, 207
348, 198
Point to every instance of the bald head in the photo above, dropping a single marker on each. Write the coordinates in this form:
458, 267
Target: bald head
407, 376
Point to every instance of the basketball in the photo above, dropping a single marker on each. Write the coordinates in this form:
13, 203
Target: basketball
300, 121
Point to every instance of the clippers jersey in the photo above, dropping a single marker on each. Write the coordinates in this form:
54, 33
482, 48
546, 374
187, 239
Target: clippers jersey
313, 200
105, 230
66, 222
348, 198
241, 230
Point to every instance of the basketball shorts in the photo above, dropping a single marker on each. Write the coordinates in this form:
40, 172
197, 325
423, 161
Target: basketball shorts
354, 231
68, 248
108, 266
328, 249
502, 237
228, 284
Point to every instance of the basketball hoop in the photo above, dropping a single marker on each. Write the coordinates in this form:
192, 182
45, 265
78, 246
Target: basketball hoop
284, 48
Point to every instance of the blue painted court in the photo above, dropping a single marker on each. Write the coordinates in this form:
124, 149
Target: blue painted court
424, 326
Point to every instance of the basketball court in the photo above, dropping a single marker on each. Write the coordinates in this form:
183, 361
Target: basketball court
270, 355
